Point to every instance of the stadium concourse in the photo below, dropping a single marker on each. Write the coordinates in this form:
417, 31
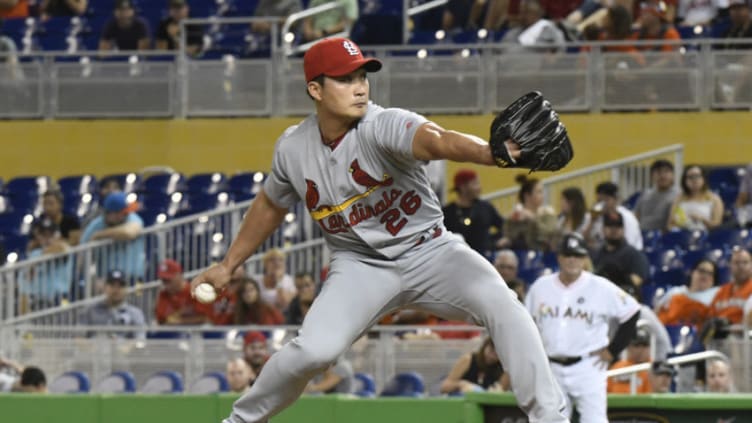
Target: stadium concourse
137, 133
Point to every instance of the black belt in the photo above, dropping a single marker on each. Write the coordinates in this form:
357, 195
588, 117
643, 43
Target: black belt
565, 361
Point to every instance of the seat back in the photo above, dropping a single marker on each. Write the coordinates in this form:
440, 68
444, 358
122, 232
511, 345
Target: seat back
73, 382
117, 382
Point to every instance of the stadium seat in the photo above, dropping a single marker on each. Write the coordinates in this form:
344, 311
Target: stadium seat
631, 201
16, 223
116, 383
129, 182
210, 383
73, 382
160, 202
723, 177
206, 183
364, 385
165, 183
725, 239
650, 291
529, 275
77, 185
651, 240
246, 182
79, 205
15, 243
409, 384
684, 339
164, 382
682, 240
200, 202
672, 276
28, 184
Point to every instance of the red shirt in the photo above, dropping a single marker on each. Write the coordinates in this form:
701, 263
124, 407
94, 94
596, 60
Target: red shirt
268, 316
181, 302
222, 311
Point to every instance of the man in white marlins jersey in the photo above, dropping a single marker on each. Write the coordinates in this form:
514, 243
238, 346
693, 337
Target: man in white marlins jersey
572, 309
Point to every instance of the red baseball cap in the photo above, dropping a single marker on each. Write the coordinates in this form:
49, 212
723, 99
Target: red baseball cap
464, 176
253, 336
168, 269
336, 57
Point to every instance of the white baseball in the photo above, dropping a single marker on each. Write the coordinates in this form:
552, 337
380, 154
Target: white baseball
205, 293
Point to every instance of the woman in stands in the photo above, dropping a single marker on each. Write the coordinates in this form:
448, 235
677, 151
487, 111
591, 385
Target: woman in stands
689, 305
574, 216
696, 208
532, 224
478, 371
251, 309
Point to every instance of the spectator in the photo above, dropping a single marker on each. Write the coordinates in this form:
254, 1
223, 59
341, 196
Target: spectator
683, 305
113, 310
748, 312
608, 202
654, 25
478, 371
534, 31
574, 216
744, 199
741, 23
255, 350
560, 9
638, 351
474, 14
106, 187
175, 303
507, 265
62, 8
729, 301
168, 33
279, 9
306, 288
32, 381
49, 283
277, 287
122, 224
667, 7
330, 22
698, 12
475, 219
125, 31
9, 57
12, 9
240, 376
719, 377
8, 381
696, 207
654, 205
532, 224
615, 250
661, 375
69, 225
252, 309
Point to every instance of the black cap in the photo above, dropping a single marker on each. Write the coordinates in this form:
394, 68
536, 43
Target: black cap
613, 219
662, 368
573, 244
607, 188
44, 223
124, 4
116, 276
642, 337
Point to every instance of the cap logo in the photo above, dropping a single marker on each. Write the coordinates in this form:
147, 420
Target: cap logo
572, 243
352, 50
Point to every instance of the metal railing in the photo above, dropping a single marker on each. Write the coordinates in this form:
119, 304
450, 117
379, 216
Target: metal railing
442, 77
408, 12
632, 174
288, 37
53, 281
633, 370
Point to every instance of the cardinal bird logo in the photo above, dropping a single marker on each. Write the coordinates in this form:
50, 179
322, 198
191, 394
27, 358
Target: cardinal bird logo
362, 178
312, 195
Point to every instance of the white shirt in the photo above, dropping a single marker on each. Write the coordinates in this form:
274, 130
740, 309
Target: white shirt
574, 320
6, 382
270, 294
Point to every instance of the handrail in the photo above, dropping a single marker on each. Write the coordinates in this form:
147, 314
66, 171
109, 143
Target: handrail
408, 11
673, 148
287, 43
675, 361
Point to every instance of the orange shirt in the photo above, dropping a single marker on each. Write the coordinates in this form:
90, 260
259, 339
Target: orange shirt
682, 310
182, 303
669, 34
729, 301
621, 384
20, 10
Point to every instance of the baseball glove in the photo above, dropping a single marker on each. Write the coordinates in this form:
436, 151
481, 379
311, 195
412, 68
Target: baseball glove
534, 125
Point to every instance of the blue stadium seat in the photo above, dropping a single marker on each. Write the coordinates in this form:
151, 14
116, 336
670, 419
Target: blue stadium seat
73, 382
725, 239
649, 291
631, 201
77, 185
684, 339
246, 182
160, 202
210, 383
682, 240
151, 217
27, 184
529, 275
165, 183
117, 382
5, 205
17, 223
164, 382
409, 384
672, 276
206, 183
198, 202
377, 29
129, 182
651, 240
723, 176
365, 386
79, 205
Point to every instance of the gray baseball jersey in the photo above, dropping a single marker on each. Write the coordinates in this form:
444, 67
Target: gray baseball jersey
368, 194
